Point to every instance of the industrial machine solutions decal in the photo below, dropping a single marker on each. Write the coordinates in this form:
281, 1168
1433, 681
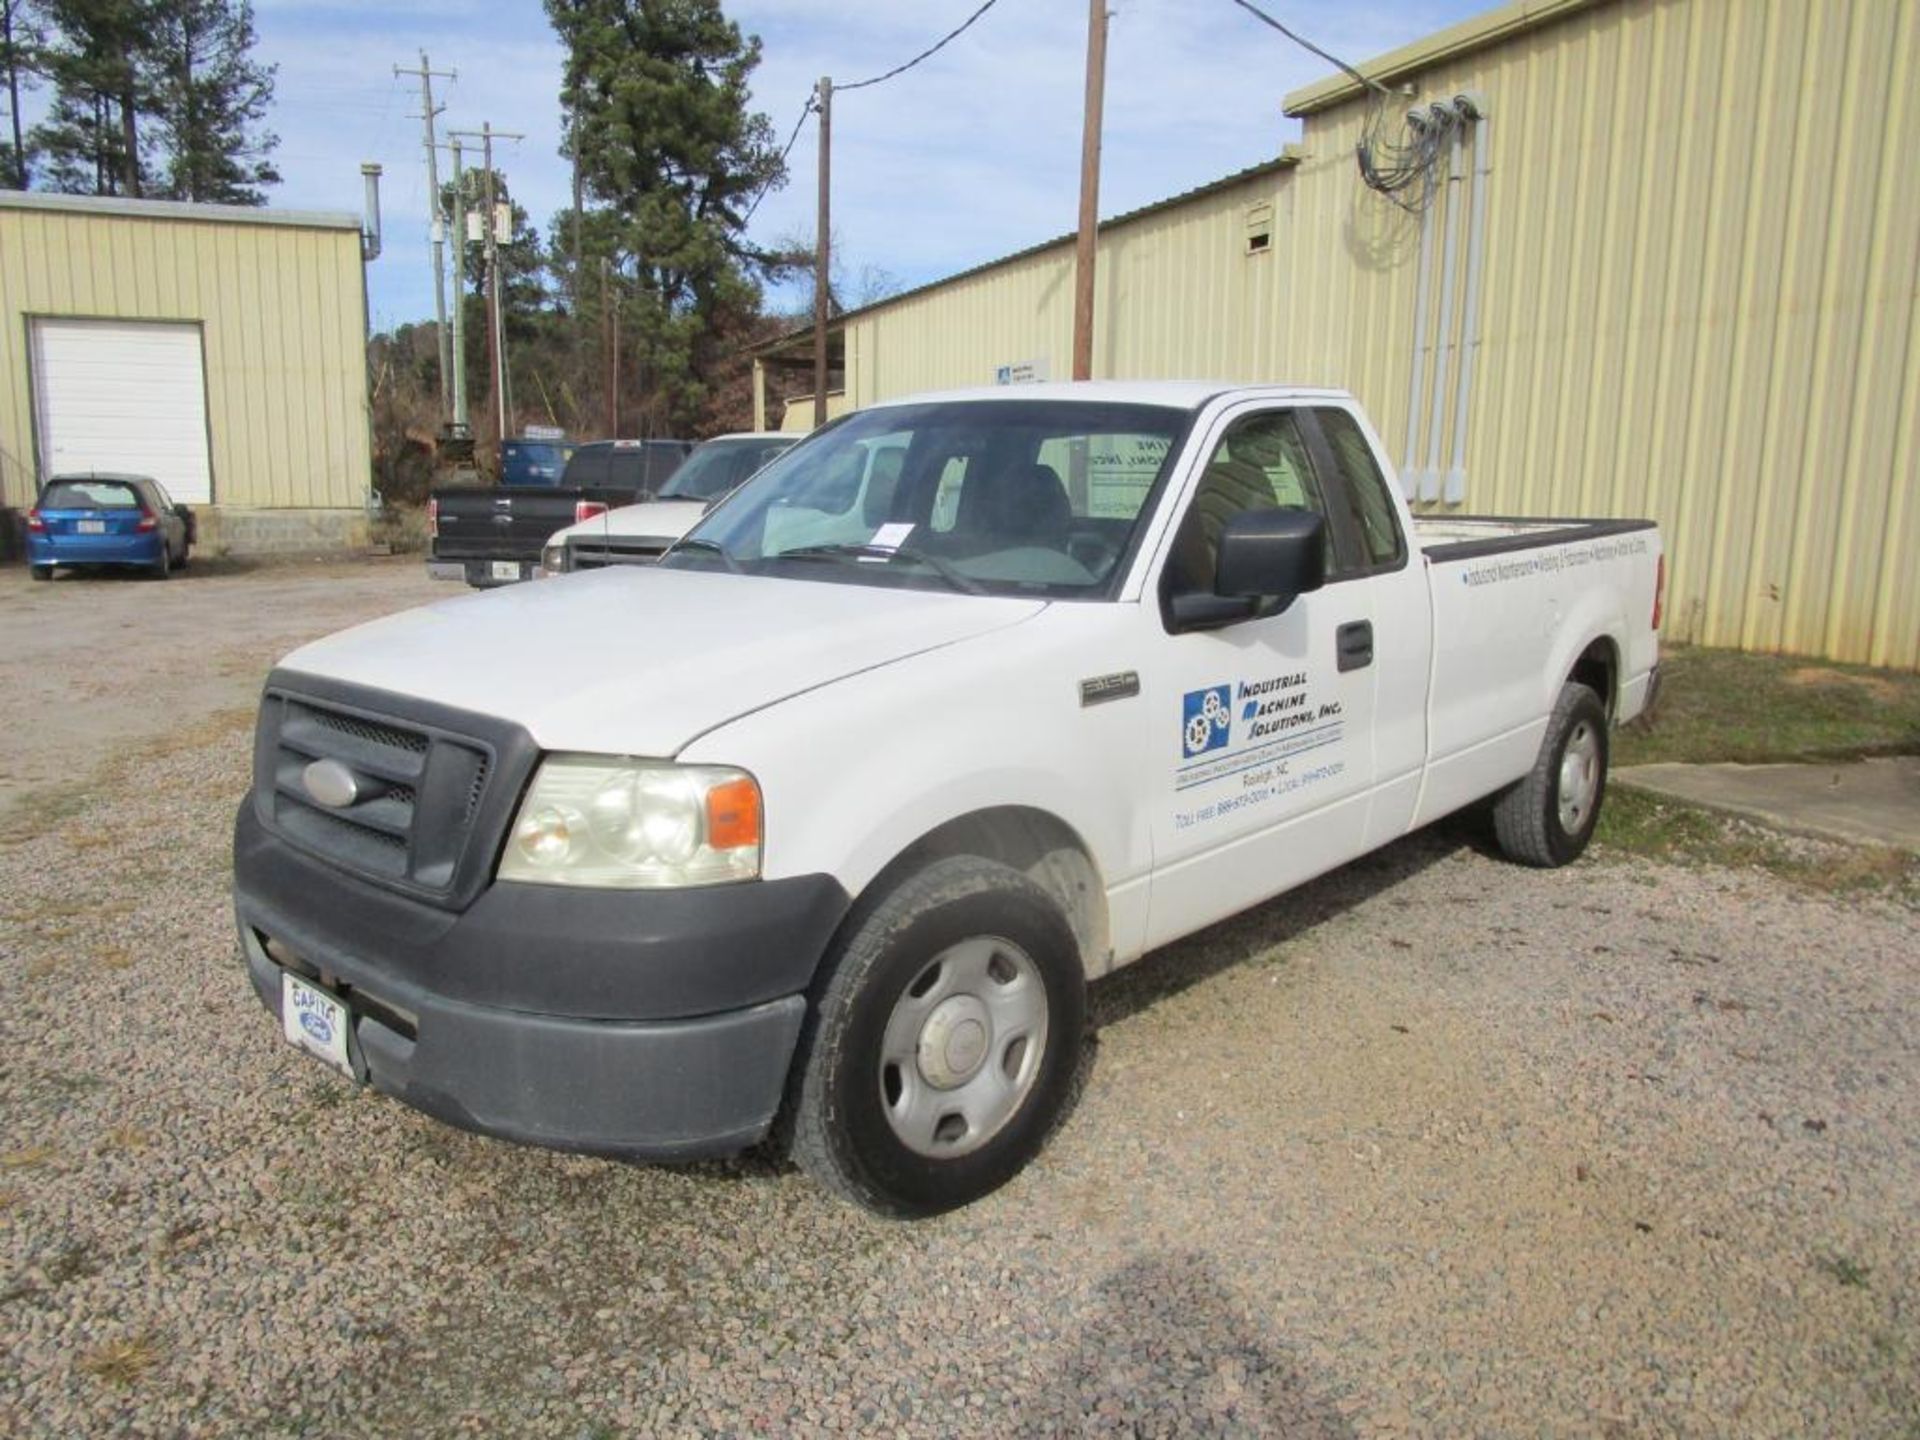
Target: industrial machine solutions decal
1252, 732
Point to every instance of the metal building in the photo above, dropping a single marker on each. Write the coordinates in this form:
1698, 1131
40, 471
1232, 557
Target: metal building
1671, 266
220, 349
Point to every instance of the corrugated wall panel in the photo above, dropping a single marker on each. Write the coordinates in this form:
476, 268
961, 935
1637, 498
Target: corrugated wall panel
282, 314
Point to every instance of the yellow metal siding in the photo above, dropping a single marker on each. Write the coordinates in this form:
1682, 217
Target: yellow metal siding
1700, 302
282, 317
1700, 299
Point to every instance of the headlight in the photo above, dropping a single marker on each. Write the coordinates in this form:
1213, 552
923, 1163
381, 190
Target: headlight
553, 559
635, 825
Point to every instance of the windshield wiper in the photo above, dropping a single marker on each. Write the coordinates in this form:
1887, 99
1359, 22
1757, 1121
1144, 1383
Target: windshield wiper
867, 551
703, 545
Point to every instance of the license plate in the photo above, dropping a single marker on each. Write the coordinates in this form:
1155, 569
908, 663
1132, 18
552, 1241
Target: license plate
314, 1021
90, 527
506, 569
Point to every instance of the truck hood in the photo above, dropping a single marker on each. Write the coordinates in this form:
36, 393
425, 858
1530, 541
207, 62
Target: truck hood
668, 519
640, 661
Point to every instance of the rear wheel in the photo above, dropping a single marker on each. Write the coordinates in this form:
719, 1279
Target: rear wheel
1548, 818
944, 1041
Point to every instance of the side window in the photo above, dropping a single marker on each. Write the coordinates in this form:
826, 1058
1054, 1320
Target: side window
1369, 505
1260, 464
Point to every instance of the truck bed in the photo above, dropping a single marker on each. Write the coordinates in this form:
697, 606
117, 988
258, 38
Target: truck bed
1443, 538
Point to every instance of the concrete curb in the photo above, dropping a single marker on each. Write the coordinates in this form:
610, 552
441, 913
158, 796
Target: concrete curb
1860, 802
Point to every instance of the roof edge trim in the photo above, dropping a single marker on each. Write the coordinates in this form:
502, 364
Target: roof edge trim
117, 207
1469, 35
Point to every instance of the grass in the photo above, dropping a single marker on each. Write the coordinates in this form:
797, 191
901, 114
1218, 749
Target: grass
1846, 1271
1726, 705
1676, 833
122, 1362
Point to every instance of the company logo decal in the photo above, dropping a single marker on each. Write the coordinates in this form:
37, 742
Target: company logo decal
1206, 720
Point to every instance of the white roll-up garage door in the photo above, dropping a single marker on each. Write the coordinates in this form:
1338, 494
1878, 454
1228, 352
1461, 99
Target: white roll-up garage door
123, 395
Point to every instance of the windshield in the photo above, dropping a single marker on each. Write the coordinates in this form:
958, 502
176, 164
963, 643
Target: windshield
1000, 497
717, 466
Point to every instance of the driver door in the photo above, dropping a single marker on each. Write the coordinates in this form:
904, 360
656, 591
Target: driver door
1260, 733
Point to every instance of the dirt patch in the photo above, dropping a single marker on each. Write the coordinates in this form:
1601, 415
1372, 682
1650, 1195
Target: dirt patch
1810, 677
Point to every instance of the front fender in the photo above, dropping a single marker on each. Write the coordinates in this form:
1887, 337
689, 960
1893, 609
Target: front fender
854, 773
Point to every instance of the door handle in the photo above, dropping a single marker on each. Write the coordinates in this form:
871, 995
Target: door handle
1353, 645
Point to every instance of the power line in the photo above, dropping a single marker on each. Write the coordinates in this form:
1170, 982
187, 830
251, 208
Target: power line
798, 125
1387, 168
1306, 44
928, 53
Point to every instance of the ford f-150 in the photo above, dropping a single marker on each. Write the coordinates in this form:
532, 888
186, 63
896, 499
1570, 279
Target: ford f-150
958, 705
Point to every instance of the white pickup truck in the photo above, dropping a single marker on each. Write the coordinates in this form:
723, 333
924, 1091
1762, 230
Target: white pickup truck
961, 703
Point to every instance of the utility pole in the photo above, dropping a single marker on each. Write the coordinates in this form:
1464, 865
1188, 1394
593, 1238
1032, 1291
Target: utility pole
436, 223
496, 335
1083, 255
821, 245
461, 429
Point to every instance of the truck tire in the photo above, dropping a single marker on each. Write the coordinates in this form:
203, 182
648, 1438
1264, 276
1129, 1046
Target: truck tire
1547, 818
943, 1041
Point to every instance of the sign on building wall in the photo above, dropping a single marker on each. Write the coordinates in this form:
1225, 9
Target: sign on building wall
1022, 372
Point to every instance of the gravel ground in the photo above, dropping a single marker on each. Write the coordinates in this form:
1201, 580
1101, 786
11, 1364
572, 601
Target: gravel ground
1432, 1146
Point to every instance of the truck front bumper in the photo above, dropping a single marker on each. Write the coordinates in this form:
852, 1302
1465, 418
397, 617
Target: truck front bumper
652, 1025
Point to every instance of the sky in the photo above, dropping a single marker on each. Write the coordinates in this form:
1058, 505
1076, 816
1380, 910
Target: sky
970, 156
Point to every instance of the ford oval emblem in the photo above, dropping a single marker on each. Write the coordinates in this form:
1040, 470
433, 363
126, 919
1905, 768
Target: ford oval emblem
316, 1025
331, 784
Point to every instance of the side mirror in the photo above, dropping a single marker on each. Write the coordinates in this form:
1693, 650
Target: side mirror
1266, 560
1275, 555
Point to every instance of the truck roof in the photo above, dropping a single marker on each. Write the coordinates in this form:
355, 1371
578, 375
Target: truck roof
1180, 394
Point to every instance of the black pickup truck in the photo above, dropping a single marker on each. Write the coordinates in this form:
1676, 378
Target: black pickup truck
491, 535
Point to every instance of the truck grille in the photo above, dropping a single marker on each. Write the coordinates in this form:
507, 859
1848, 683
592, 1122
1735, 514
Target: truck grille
425, 817
598, 554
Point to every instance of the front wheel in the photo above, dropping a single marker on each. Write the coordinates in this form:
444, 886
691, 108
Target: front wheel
944, 1041
41, 572
163, 570
1547, 819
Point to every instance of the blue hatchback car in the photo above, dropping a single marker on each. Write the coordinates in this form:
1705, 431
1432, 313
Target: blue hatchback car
101, 519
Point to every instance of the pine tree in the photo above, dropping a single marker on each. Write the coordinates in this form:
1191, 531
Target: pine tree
654, 95
91, 139
21, 42
208, 97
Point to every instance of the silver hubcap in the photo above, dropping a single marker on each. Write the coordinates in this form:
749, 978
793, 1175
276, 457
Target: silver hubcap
1579, 777
963, 1047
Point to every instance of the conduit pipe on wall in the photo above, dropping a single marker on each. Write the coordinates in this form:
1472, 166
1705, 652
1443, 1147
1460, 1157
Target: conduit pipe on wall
1429, 474
1417, 366
1472, 109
